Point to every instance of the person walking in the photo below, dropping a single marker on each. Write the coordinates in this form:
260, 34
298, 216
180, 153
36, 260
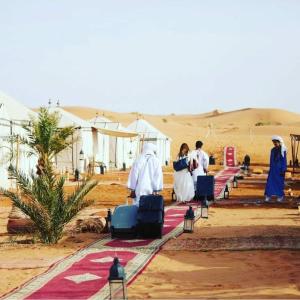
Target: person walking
183, 181
276, 175
200, 162
145, 177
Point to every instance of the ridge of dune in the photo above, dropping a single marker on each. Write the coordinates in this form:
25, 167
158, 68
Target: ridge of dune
252, 116
245, 116
249, 129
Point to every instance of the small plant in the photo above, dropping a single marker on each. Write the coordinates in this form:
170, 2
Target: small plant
165, 120
261, 123
42, 197
267, 123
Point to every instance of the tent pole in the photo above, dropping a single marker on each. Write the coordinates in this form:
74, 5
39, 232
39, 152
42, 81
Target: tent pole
72, 153
116, 150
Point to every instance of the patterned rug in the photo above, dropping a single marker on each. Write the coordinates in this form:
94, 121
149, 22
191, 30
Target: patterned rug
230, 156
84, 274
222, 178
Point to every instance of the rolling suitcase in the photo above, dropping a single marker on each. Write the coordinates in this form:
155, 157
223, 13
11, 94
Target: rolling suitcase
124, 221
205, 188
150, 216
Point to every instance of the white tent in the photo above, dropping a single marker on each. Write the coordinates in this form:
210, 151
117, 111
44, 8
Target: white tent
13, 115
5, 147
83, 141
148, 133
117, 140
15, 109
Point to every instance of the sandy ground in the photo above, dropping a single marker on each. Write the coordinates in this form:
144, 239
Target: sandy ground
249, 129
182, 269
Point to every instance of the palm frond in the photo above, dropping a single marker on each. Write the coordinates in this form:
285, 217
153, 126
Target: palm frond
42, 197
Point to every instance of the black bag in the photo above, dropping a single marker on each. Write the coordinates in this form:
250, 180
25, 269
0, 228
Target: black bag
205, 187
180, 164
150, 216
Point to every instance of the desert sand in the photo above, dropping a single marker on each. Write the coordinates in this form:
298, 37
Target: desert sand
220, 259
249, 129
185, 267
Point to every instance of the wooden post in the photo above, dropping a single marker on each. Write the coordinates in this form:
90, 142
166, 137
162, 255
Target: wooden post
72, 153
142, 145
292, 146
17, 162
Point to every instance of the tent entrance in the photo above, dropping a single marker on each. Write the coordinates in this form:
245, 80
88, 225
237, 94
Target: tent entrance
295, 139
113, 144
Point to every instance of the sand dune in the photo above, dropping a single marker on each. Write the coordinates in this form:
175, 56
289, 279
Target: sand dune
248, 129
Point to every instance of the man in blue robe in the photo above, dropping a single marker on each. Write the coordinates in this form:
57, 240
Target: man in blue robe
278, 164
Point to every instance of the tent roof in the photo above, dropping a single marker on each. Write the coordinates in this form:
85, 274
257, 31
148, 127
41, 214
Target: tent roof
108, 127
68, 119
145, 128
15, 110
100, 119
3, 112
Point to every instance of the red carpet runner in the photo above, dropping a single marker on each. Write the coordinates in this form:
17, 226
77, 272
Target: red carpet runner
84, 274
229, 156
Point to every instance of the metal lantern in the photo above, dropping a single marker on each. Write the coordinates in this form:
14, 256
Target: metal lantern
226, 192
81, 161
117, 281
174, 197
204, 209
235, 182
189, 220
76, 174
81, 155
101, 169
108, 219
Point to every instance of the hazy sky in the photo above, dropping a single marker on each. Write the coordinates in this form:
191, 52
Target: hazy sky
152, 56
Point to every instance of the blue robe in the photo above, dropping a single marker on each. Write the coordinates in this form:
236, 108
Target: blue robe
275, 181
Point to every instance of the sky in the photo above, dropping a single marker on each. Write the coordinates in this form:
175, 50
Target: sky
157, 57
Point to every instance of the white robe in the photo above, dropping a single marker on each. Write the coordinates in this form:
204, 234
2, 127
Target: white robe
145, 176
184, 185
203, 161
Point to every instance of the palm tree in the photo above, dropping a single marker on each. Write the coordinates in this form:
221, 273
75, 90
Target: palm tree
46, 139
42, 195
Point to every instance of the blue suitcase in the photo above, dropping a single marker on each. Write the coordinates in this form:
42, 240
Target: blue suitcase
150, 216
124, 221
205, 187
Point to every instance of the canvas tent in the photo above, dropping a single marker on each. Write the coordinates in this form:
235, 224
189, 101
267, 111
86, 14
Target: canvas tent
70, 158
13, 115
5, 147
148, 133
117, 140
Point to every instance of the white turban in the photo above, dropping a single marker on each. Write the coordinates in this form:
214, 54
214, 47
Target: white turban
283, 147
149, 148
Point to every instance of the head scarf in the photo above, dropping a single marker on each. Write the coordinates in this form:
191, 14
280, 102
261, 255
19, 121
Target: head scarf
280, 140
149, 148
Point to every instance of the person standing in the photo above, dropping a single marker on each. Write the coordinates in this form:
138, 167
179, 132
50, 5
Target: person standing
278, 165
200, 161
145, 177
246, 162
183, 181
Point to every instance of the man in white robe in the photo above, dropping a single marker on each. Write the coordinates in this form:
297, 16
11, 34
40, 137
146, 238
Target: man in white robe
145, 177
201, 160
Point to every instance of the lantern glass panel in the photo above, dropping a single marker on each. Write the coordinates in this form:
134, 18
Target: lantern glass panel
204, 212
117, 288
188, 225
81, 155
235, 183
108, 224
